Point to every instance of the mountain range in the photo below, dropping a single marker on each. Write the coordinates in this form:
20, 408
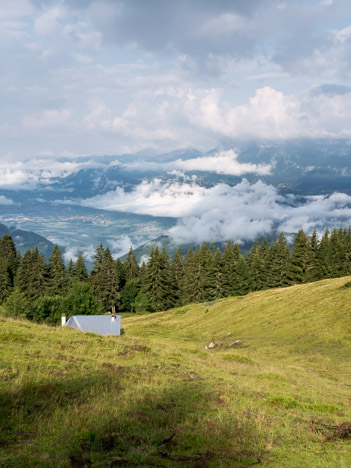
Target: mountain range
253, 188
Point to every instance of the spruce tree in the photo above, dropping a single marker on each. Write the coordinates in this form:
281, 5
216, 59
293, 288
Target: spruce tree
80, 272
325, 255
39, 276
314, 268
278, 263
104, 280
130, 265
300, 259
157, 282
58, 279
22, 279
338, 252
256, 263
214, 275
5, 281
243, 280
177, 273
9, 255
194, 276
120, 273
230, 261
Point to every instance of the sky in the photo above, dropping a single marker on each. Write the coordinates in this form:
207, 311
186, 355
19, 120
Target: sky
94, 77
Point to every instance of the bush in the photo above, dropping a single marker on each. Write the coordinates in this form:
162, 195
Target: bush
47, 309
16, 305
80, 301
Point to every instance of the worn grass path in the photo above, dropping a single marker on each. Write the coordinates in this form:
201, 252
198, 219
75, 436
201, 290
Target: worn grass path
156, 397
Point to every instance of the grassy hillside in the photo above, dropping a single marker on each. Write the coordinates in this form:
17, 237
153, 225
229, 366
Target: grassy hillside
281, 396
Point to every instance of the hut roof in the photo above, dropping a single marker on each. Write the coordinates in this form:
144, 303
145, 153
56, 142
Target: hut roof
99, 324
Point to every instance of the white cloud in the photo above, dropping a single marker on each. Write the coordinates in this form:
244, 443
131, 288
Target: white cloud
30, 173
121, 246
201, 118
47, 23
222, 212
223, 162
155, 197
248, 211
6, 201
15, 8
51, 118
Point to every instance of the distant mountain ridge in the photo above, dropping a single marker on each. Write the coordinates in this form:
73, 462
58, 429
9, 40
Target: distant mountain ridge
25, 240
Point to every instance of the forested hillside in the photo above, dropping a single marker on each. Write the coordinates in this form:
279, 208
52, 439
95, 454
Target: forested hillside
40, 291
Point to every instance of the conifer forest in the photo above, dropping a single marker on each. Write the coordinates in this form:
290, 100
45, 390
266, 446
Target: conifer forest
41, 291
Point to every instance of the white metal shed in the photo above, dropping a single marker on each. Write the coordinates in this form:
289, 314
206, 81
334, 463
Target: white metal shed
99, 324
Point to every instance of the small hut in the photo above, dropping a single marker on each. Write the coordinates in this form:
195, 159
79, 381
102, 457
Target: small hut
99, 324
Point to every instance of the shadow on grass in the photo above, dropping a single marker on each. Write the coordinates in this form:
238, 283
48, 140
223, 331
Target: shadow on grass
181, 423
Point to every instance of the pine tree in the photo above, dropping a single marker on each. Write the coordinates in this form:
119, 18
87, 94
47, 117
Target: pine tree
338, 253
214, 275
314, 269
130, 265
230, 260
39, 276
325, 255
256, 263
104, 280
120, 273
347, 244
9, 255
157, 282
5, 281
278, 263
58, 279
80, 272
70, 271
194, 276
243, 280
300, 259
22, 279
177, 273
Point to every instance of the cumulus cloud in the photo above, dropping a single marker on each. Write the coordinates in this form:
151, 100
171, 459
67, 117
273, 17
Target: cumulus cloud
223, 212
158, 198
200, 117
107, 77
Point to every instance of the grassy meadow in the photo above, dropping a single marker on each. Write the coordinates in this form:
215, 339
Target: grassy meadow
275, 391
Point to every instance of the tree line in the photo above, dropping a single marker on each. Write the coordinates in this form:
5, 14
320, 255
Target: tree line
41, 291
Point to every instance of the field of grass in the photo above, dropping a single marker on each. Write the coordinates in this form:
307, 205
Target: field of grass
278, 397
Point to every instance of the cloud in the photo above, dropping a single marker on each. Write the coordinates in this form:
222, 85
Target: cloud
158, 198
51, 118
248, 211
42, 171
6, 201
224, 162
106, 77
47, 23
15, 8
121, 246
223, 212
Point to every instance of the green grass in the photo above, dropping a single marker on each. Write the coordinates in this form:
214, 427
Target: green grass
156, 397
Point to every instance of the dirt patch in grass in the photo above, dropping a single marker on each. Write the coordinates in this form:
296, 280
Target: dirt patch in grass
132, 349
